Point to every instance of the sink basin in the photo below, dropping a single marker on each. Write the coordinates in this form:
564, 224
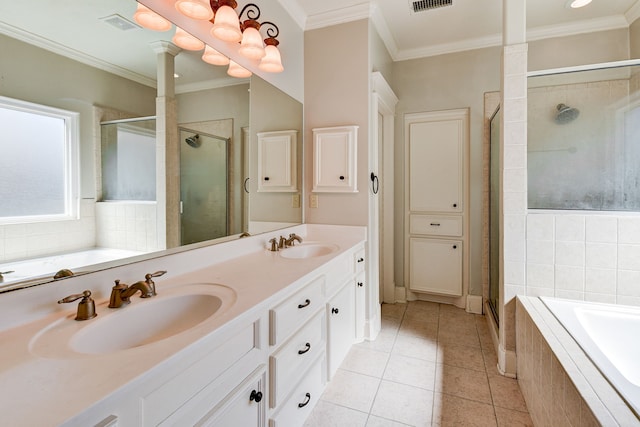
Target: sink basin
308, 250
143, 322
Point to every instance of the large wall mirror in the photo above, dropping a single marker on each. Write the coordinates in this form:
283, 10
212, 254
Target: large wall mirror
87, 57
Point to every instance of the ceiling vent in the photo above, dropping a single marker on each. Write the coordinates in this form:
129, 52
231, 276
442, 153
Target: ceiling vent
119, 22
423, 5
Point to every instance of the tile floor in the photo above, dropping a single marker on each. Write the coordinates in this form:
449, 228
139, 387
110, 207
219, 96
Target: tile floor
431, 365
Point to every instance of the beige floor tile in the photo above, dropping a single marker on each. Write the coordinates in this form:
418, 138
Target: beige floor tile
506, 393
416, 327
390, 324
326, 414
491, 363
365, 361
458, 324
462, 356
383, 422
453, 312
419, 348
352, 390
384, 341
462, 382
403, 403
469, 339
454, 411
395, 311
509, 418
411, 371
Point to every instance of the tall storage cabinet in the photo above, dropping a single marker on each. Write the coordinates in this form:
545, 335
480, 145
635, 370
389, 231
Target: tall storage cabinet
436, 176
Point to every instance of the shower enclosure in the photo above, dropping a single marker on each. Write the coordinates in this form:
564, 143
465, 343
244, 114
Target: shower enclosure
494, 215
204, 186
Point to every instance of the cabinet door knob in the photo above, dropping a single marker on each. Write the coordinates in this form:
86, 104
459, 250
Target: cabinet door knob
306, 303
341, 177
335, 311
306, 401
455, 246
455, 205
307, 347
266, 178
360, 284
255, 396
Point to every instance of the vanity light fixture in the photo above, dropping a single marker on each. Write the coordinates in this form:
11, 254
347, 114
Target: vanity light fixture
196, 9
236, 70
186, 41
150, 20
272, 61
226, 23
213, 57
575, 4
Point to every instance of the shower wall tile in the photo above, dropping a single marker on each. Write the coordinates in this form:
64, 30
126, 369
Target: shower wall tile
629, 230
601, 281
601, 298
602, 255
570, 253
540, 251
540, 292
541, 275
570, 228
576, 295
540, 227
602, 229
569, 278
629, 257
629, 283
515, 273
514, 202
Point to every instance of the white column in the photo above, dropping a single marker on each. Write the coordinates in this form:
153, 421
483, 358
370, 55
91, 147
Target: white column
167, 148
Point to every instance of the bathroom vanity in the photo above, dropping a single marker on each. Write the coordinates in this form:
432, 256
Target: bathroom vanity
237, 335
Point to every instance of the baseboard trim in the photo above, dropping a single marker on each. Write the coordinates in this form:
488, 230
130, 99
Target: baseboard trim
401, 294
507, 362
474, 304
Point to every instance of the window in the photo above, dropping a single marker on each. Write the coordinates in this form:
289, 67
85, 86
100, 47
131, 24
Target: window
38, 162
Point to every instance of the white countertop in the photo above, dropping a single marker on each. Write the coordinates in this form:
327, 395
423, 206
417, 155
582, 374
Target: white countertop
37, 390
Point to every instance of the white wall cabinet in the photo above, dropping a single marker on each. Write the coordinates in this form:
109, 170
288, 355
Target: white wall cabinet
436, 207
334, 159
277, 161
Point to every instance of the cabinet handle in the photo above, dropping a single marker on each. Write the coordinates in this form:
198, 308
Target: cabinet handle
266, 178
360, 284
455, 246
360, 259
455, 205
307, 348
306, 402
246, 180
335, 311
306, 303
435, 224
341, 177
255, 396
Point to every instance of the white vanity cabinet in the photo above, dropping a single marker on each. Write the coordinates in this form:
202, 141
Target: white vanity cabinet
277, 161
341, 326
334, 159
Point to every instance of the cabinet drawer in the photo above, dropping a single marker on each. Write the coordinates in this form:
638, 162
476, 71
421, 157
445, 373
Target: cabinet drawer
299, 405
435, 225
295, 310
296, 356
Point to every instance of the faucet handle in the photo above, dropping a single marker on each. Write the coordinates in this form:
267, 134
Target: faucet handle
282, 243
151, 283
274, 245
86, 307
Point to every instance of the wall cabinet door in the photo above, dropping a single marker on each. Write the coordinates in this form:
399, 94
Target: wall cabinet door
436, 166
341, 326
277, 161
435, 266
334, 159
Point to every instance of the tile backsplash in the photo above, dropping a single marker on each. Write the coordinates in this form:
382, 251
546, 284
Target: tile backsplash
591, 257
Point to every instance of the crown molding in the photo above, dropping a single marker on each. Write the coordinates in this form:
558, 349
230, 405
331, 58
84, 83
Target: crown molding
633, 13
444, 48
381, 26
338, 16
210, 84
59, 49
579, 27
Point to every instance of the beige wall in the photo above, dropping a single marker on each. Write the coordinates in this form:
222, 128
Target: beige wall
380, 58
336, 78
634, 39
446, 82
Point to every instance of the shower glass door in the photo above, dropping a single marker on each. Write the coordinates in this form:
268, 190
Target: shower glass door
494, 216
204, 183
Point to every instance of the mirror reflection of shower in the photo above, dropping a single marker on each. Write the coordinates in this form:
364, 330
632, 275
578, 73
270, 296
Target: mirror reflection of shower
566, 114
204, 186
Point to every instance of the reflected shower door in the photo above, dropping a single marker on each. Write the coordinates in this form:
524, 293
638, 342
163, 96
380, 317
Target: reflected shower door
494, 217
204, 186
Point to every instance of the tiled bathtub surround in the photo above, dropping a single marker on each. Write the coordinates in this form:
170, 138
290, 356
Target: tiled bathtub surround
590, 257
559, 383
127, 225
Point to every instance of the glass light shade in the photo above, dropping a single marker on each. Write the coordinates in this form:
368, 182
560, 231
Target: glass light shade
212, 56
579, 3
251, 46
150, 20
196, 9
226, 25
272, 62
186, 40
236, 70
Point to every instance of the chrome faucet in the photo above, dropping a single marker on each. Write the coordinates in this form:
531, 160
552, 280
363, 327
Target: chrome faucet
291, 240
121, 293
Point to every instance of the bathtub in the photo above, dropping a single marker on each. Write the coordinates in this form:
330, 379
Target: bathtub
39, 268
610, 336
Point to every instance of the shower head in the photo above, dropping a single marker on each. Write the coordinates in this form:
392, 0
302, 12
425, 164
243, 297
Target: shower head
566, 114
193, 141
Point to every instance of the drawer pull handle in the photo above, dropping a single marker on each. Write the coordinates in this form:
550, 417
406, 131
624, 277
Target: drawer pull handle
306, 402
360, 259
306, 303
335, 311
266, 178
307, 348
435, 224
255, 396
360, 284
455, 246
